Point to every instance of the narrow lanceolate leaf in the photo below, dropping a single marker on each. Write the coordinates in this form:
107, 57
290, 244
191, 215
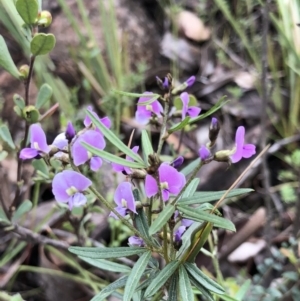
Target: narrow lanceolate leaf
190, 190
42, 43
22, 209
146, 145
105, 253
108, 290
106, 265
204, 291
190, 167
110, 157
179, 126
162, 219
203, 279
148, 102
6, 61
129, 94
109, 135
173, 288
44, 96
200, 215
210, 196
185, 287
28, 10
6, 136
135, 275
162, 278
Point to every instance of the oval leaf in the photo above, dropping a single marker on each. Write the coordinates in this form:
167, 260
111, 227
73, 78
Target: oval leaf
105, 253
6, 136
42, 43
6, 61
106, 265
28, 10
162, 219
135, 275
161, 278
44, 95
185, 287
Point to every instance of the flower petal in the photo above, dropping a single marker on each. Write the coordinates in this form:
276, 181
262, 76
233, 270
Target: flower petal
106, 121
178, 233
95, 163
185, 101
79, 153
190, 81
38, 138
117, 167
121, 210
124, 192
165, 194
135, 241
77, 200
169, 174
28, 153
157, 107
249, 150
142, 115
60, 141
151, 187
193, 111
204, 153
186, 222
60, 186
239, 143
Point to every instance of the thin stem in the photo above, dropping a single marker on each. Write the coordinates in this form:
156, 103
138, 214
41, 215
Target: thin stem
163, 127
28, 81
36, 193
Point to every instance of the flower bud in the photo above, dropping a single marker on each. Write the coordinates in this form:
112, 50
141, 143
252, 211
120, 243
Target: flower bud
177, 162
70, 132
31, 114
224, 155
44, 19
24, 71
188, 83
214, 129
204, 153
166, 84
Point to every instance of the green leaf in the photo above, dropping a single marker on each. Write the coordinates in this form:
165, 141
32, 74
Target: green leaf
149, 101
6, 136
19, 101
185, 287
241, 293
148, 280
133, 94
210, 196
203, 279
110, 157
22, 209
190, 167
3, 217
41, 166
200, 215
28, 10
106, 265
190, 190
162, 219
105, 253
162, 278
42, 43
173, 288
215, 108
109, 135
108, 290
135, 275
44, 95
180, 125
227, 298
147, 146
205, 292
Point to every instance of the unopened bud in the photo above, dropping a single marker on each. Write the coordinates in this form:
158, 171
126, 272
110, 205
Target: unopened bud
188, 83
70, 132
177, 162
224, 155
24, 71
204, 153
31, 114
164, 84
214, 129
44, 18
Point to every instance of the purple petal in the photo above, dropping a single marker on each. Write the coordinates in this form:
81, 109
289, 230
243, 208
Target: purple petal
87, 120
106, 121
204, 153
117, 167
124, 193
157, 107
249, 150
177, 162
239, 143
28, 153
190, 81
135, 241
38, 138
178, 233
165, 194
166, 83
135, 149
142, 116
121, 210
186, 222
77, 200
151, 187
193, 111
95, 163
60, 141
185, 101
70, 131
214, 122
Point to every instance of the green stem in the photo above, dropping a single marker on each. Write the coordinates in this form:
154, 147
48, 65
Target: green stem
163, 127
36, 193
215, 261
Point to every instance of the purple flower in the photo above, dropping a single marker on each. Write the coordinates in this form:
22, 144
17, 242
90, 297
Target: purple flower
70, 132
68, 187
124, 199
80, 153
242, 150
204, 153
38, 143
171, 181
60, 141
186, 222
178, 233
190, 81
177, 162
144, 113
122, 168
87, 120
186, 110
135, 241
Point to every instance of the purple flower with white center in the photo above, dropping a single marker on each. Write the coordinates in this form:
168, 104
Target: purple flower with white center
186, 110
144, 113
204, 153
170, 180
177, 162
136, 241
122, 168
38, 144
81, 155
69, 186
242, 150
190, 81
124, 199
87, 120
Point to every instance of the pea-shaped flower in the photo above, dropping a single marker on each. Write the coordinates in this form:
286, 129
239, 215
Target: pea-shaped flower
186, 110
170, 180
68, 186
38, 143
87, 121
